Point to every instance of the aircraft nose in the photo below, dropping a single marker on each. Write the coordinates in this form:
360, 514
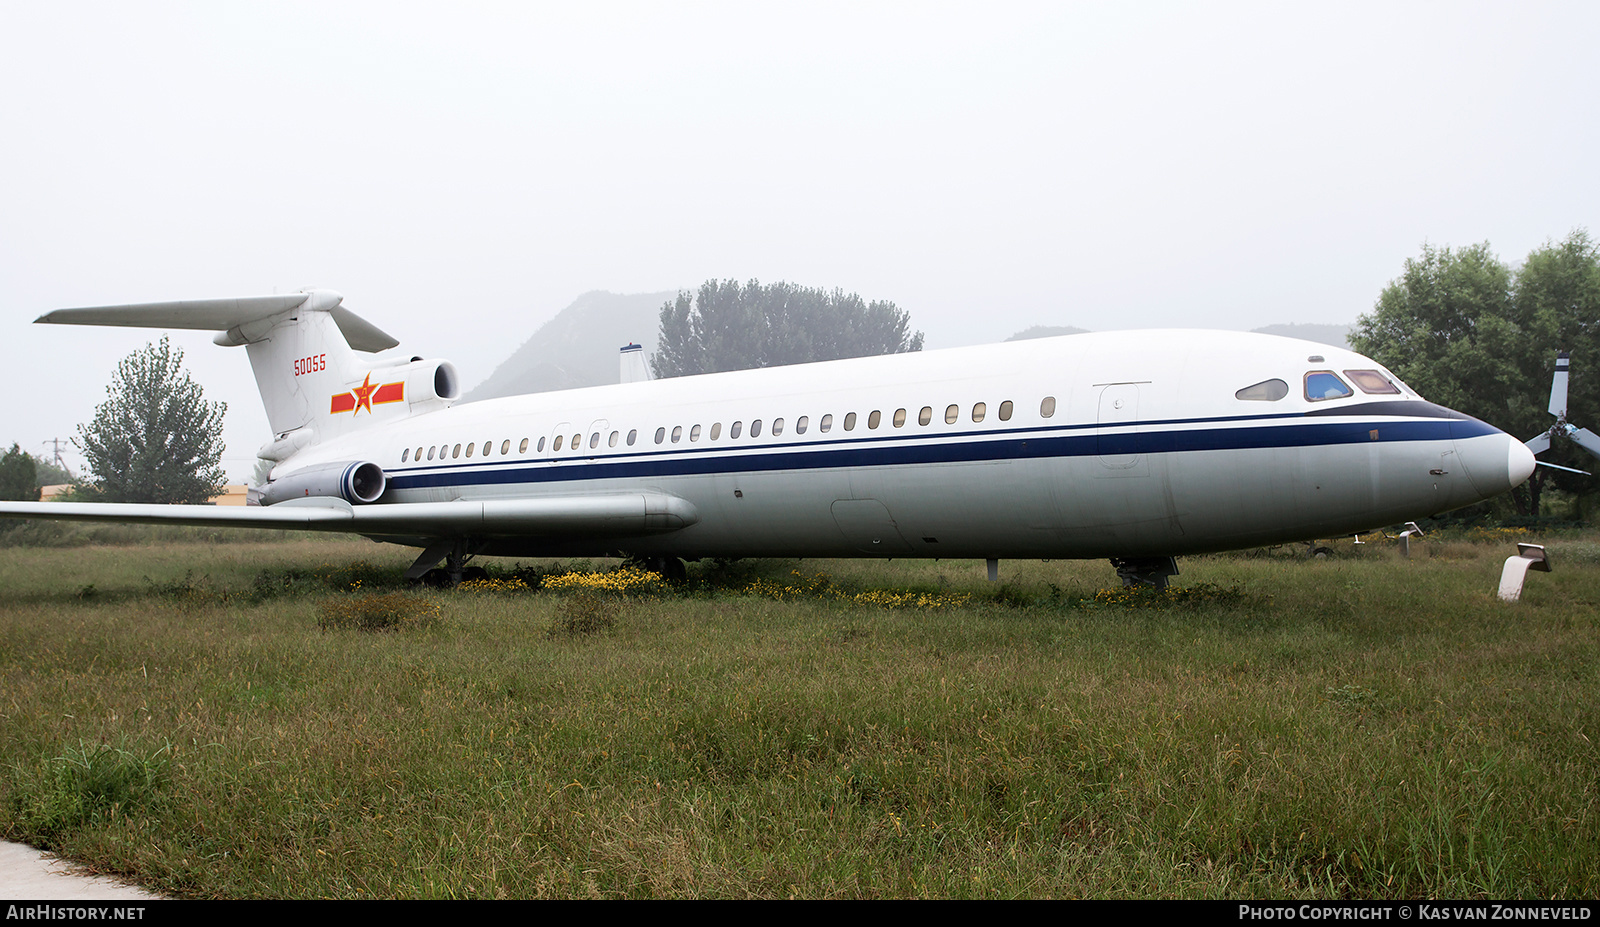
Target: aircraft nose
1494, 461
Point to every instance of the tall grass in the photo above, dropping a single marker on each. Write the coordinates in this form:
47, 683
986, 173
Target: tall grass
1360, 726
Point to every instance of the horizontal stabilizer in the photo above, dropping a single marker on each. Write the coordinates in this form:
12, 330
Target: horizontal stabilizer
230, 315
621, 514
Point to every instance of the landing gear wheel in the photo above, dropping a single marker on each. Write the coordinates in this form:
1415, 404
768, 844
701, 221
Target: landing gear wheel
671, 568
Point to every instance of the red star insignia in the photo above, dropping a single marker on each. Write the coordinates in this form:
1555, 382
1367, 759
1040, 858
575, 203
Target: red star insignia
364, 394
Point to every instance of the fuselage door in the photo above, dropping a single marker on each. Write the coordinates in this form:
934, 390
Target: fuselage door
1117, 437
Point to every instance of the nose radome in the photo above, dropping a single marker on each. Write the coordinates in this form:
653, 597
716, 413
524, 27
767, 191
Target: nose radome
1494, 462
1520, 462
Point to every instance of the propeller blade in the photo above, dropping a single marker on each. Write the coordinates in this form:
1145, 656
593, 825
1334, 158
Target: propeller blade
1568, 469
1539, 444
1586, 439
1558, 386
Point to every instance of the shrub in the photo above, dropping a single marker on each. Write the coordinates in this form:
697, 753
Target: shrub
82, 784
391, 611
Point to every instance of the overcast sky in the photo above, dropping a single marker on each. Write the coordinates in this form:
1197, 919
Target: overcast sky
461, 172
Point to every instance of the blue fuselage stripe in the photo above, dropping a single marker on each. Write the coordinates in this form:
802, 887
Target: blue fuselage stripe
1072, 441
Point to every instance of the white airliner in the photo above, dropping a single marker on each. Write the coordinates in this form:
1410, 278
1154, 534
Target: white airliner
1134, 446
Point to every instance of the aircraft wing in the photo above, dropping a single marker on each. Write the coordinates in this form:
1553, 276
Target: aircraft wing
602, 514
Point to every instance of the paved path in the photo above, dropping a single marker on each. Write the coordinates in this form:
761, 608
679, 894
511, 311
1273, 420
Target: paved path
26, 873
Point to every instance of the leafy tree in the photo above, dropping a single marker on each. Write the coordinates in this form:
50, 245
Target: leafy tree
1464, 330
155, 438
48, 474
18, 476
728, 326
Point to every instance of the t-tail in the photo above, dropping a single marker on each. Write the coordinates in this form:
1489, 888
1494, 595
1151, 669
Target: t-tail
311, 357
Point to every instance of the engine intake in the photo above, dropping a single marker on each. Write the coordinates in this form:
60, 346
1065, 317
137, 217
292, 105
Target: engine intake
356, 482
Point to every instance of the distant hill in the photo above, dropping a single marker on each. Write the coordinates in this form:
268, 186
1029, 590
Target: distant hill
1046, 331
1336, 335
579, 346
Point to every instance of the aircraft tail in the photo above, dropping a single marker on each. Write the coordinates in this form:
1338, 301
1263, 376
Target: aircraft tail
303, 348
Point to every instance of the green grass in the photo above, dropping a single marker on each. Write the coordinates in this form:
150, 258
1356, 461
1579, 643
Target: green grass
1360, 726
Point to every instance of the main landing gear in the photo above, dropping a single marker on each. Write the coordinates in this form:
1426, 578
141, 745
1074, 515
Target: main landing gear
1145, 571
671, 568
455, 552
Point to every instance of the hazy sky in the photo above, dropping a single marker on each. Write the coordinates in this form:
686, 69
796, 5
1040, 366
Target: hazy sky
461, 172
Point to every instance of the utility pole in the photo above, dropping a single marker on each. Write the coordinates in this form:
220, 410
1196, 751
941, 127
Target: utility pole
55, 444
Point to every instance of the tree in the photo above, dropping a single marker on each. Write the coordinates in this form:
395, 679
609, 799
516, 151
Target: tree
1465, 331
49, 474
155, 438
19, 477
727, 326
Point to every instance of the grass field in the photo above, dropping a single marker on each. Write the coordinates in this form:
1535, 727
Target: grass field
221, 720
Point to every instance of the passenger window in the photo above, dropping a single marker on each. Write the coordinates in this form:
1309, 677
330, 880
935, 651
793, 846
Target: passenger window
560, 439
1047, 408
694, 434
577, 442
734, 429
456, 452
661, 435
1372, 381
899, 418
800, 424
632, 434
755, 428
430, 452
505, 446
716, 430
540, 449
677, 433
1265, 391
826, 424
850, 421
977, 411
594, 440
1325, 384
952, 415
523, 447
470, 449
925, 416
874, 419
405, 455
777, 427
487, 447
612, 441
1005, 411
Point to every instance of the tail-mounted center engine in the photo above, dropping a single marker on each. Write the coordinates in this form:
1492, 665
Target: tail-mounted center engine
428, 380
355, 482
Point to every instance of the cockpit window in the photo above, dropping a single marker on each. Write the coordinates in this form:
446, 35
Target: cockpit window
1325, 384
1372, 381
1265, 391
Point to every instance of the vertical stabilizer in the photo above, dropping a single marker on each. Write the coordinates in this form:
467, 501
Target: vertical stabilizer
634, 369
